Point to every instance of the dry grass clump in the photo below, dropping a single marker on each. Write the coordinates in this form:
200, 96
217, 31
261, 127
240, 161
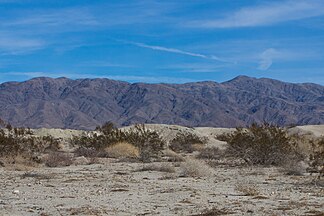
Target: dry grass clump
210, 153
122, 150
248, 189
195, 168
262, 144
173, 156
19, 163
87, 210
58, 159
187, 142
164, 167
292, 167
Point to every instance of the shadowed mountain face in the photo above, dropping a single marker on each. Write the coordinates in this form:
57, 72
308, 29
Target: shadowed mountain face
86, 103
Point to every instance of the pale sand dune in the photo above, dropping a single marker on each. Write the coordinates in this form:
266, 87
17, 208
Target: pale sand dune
57, 133
168, 132
317, 130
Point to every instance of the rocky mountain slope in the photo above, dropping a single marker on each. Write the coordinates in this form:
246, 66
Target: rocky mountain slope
86, 103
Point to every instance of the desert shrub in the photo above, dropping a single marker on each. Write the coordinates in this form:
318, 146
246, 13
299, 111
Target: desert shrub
210, 153
87, 152
292, 167
262, 144
19, 141
185, 142
49, 143
148, 142
195, 168
58, 159
317, 156
122, 149
20, 149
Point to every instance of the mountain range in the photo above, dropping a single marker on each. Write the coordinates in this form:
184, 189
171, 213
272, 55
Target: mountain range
87, 103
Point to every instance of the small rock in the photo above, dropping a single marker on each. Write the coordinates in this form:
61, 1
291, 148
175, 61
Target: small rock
15, 192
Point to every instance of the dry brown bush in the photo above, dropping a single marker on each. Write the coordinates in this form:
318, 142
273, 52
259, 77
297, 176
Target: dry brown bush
19, 163
88, 152
210, 153
122, 149
58, 159
195, 168
317, 156
297, 168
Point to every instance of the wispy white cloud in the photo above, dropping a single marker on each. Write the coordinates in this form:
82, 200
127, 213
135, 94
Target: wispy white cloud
52, 18
177, 51
268, 56
266, 59
266, 14
13, 45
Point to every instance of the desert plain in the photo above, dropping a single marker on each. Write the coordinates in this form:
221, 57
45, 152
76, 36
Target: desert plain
115, 186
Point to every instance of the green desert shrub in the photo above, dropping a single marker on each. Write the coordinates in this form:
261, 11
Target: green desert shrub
186, 142
19, 143
263, 144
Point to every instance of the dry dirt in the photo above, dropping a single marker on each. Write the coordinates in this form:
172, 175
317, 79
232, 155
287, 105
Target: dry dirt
113, 187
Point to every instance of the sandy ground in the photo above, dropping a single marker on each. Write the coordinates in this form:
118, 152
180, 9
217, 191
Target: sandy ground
114, 188
121, 188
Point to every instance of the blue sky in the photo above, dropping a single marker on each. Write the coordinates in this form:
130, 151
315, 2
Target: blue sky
162, 41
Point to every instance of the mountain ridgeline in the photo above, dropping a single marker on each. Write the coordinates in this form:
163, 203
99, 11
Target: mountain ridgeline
87, 103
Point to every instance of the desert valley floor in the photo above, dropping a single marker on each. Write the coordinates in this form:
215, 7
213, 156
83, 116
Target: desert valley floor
117, 187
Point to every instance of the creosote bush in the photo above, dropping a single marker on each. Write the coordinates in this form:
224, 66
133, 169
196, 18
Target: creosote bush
148, 142
20, 142
58, 159
262, 144
186, 142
